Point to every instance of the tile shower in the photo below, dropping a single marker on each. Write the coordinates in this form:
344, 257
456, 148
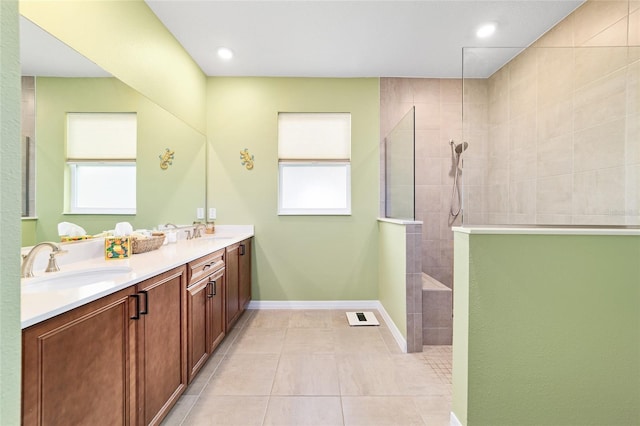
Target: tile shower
554, 135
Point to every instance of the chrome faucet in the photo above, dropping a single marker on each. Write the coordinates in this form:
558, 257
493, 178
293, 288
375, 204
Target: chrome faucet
168, 224
197, 229
28, 259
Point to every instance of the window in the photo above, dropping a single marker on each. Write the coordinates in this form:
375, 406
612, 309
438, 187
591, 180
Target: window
101, 163
314, 152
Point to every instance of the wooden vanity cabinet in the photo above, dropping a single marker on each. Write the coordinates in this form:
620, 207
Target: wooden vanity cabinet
162, 344
238, 280
120, 360
79, 367
205, 307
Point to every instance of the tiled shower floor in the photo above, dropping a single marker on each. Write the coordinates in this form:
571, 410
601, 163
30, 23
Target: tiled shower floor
308, 367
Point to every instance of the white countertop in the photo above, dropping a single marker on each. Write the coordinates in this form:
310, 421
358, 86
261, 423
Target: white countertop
42, 305
546, 230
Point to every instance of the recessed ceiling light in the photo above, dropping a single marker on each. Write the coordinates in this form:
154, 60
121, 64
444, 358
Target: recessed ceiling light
486, 30
225, 53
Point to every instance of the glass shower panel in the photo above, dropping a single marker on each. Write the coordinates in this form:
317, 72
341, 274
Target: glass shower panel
400, 169
556, 135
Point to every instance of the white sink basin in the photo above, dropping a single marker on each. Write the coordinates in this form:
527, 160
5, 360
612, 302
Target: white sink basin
63, 280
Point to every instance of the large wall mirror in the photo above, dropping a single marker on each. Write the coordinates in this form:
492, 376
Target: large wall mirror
57, 81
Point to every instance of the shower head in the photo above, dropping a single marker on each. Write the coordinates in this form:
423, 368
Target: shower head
461, 147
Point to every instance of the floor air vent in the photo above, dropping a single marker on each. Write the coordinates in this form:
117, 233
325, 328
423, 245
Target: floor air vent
362, 318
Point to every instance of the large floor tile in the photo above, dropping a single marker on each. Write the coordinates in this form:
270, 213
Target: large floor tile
180, 410
243, 374
306, 374
315, 318
380, 411
359, 340
258, 341
434, 410
228, 411
203, 376
269, 318
367, 374
304, 411
309, 340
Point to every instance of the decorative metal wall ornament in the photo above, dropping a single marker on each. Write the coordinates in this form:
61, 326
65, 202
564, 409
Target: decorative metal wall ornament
247, 159
166, 159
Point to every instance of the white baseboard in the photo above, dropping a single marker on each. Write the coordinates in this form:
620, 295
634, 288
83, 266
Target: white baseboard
454, 420
334, 304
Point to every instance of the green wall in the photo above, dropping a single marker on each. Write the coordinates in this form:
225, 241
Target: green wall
297, 257
127, 39
553, 330
392, 270
9, 215
170, 195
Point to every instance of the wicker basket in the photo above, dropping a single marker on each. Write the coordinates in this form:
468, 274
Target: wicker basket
144, 245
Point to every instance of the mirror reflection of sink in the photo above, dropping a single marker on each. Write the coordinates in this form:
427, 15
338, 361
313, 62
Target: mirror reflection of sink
63, 280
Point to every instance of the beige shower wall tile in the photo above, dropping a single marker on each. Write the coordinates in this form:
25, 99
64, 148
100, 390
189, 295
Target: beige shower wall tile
555, 75
632, 188
522, 197
397, 90
427, 143
475, 91
555, 120
633, 89
561, 35
553, 219
426, 90
451, 90
523, 68
498, 144
427, 116
614, 35
498, 172
451, 115
600, 146
523, 164
474, 115
594, 63
599, 192
601, 101
594, 16
632, 148
634, 28
498, 85
555, 156
553, 195
522, 98
522, 132
498, 198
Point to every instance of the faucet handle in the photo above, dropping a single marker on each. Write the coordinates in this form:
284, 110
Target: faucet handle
52, 266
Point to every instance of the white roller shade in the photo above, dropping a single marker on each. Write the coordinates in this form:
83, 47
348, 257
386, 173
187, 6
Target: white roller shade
318, 136
101, 136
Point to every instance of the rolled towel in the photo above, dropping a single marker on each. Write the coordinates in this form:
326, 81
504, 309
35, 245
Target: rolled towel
70, 230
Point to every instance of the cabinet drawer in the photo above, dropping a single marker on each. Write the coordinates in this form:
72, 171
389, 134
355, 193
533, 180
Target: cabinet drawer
204, 266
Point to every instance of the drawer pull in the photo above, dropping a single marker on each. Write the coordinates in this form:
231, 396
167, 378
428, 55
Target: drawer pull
137, 315
146, 302
241, 249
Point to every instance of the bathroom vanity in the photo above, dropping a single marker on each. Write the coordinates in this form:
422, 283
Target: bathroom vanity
123, 350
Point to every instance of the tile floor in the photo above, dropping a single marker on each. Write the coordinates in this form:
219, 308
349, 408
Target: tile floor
308, 367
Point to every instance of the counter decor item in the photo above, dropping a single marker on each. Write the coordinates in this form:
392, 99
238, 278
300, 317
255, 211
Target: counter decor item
210, 227
117, 248
145, 244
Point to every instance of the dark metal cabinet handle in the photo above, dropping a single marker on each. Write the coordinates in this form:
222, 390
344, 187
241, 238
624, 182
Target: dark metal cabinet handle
215, 291
241, 249
146, 302
137, 315
210, 292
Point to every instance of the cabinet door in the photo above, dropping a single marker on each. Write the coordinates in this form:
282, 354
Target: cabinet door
244, 286
77, 367
231, 290
198, 340
216, 314
162, 342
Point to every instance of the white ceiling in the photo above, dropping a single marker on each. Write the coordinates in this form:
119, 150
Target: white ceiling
327, 38
340, 38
